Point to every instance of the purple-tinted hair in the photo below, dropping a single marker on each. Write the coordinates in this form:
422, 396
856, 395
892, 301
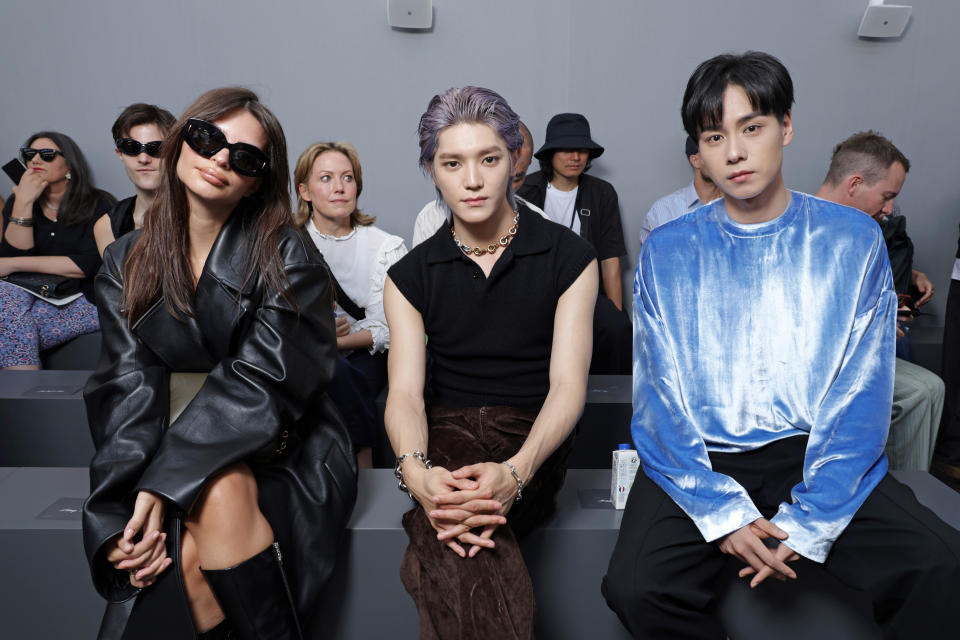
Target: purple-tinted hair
472, 105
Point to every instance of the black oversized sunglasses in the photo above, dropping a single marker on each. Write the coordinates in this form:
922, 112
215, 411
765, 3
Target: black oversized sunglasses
47, 155
207, 139
131, 147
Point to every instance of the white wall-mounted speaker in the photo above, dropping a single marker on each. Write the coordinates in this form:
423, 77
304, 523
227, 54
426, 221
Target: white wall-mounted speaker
884, 20
410, 14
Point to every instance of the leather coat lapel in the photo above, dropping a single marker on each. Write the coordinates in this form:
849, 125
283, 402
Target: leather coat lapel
222, 305
187, 352
223, 297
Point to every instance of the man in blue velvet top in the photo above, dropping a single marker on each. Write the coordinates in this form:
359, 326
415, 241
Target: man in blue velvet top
763, 375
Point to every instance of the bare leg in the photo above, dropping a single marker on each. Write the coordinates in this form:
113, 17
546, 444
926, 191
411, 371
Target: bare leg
224, 528
365, 458
226, 522
204, 607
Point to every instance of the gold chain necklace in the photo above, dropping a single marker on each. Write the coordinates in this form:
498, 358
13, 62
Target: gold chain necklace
493, 246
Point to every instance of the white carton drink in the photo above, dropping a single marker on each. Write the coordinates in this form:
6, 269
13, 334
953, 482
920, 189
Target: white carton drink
626, 462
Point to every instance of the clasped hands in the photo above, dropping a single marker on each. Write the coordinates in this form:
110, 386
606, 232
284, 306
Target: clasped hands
747, 544
147, 558
477, 496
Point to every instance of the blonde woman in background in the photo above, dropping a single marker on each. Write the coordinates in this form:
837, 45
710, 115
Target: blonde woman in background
329, 181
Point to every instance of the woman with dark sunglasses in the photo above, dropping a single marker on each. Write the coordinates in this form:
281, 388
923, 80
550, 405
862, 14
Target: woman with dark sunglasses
193, 500
137, 134
48, 229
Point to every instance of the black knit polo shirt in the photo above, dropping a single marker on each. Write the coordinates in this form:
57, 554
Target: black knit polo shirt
490, 339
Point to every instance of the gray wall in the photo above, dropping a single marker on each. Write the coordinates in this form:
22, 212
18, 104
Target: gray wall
335, 70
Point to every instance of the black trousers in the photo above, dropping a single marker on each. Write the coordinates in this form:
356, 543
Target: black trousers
948, 439
612, 339
358, 379
663, 575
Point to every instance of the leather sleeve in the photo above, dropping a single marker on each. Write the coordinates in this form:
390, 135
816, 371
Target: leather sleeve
126, 401
278, 371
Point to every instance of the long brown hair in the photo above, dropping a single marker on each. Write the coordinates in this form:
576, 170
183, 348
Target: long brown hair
301, 175
158, 263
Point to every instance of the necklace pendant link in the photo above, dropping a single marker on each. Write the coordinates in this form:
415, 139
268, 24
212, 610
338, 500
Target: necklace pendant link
493, 247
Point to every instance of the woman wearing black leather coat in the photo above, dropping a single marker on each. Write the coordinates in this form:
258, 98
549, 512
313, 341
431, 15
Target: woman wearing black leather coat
185, 523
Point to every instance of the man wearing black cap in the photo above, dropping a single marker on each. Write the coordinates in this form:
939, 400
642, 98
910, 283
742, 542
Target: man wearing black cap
699, 192
588, 206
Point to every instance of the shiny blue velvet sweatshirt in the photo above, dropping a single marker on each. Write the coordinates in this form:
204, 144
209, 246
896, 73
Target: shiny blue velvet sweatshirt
746, 334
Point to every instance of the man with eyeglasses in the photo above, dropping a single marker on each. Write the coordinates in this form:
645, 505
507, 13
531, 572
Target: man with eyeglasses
137, 134
867, 172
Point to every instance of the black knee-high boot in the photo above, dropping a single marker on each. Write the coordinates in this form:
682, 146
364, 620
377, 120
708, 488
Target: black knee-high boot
256, 598
220, 632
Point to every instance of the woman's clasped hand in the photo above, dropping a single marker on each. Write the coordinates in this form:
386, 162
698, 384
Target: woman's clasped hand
141, 549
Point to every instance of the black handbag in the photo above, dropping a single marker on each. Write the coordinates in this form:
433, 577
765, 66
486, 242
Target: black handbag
45, 285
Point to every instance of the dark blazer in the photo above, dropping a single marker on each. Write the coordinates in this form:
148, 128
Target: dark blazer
596, 204
899, 250
121, 217
269, 357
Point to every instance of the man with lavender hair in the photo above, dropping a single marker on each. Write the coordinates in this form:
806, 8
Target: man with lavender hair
435, 213
505, 298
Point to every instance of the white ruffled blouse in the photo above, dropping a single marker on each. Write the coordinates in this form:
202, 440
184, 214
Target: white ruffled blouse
359, 261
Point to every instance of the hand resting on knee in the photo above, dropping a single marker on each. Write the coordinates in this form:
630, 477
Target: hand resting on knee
454, 506
494, 482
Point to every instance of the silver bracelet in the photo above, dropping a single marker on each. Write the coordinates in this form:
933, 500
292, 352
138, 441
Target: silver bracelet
398, 472
23, 222
516, 476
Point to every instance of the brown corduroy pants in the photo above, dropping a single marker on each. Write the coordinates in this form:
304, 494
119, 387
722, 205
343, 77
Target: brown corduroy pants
489, 595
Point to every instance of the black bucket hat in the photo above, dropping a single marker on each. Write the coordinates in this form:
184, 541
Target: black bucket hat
568, 131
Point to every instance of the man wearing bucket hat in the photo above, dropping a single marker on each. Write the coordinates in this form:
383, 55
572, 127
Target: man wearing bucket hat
589, 206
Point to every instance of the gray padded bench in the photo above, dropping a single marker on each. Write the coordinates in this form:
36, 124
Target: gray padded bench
45, 590
81, 353
43, 421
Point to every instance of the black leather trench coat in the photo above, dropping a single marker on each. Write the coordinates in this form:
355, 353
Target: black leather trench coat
269, 358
